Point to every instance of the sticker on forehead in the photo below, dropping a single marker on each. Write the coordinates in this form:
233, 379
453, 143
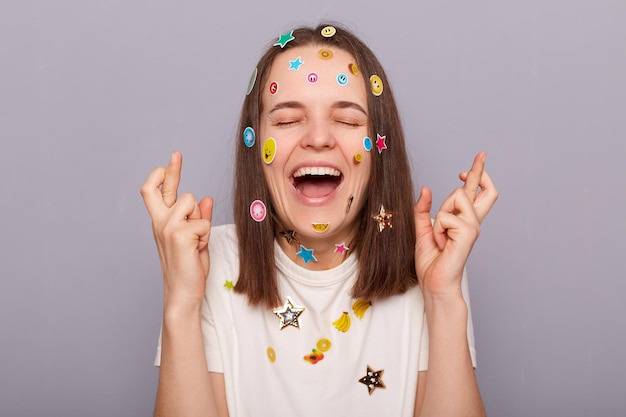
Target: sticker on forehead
248, 136
328, 31
354, 69
258, 211
273, 87
269, 150
312, 77
342, 79
295, 64
284, 39
377, 85
252, 81
325, 54
367, 143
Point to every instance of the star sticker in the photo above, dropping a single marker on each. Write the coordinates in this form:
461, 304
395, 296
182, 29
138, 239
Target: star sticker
306, 254
295, 64
229, 285
372, 379
288, 314
341, 247
290, 235
284, 39
380, 143
383, 218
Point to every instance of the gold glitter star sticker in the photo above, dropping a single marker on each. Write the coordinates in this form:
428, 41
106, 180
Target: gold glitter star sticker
383, 218
372, 379
288, 314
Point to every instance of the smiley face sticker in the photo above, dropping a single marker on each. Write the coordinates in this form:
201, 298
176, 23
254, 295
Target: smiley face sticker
342, 79
312, 77
328, 31
353, 69
376, 84
258, 211
269, 150
325, 54
248, 136
273, 87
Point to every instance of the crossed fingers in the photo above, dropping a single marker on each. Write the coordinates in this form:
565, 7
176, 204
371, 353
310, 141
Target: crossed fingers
478, 187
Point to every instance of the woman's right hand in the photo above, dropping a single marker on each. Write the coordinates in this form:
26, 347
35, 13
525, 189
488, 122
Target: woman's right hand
181, 228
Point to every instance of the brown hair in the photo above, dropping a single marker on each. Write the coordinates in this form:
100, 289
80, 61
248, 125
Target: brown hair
387, 258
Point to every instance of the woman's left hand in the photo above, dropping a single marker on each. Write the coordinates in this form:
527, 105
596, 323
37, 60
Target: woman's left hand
443, 245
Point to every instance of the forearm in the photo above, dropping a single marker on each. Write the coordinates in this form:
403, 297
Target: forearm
450, 387
184, 383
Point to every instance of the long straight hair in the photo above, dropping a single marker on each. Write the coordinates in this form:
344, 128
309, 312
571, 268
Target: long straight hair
386, 258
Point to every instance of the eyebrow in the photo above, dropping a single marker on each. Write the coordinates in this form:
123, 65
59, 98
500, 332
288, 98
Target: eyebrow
299, 105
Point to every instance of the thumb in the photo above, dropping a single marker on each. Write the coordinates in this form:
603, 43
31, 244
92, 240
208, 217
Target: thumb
206, 208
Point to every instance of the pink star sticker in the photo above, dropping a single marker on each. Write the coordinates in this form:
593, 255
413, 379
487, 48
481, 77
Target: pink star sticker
380, 143
341, 247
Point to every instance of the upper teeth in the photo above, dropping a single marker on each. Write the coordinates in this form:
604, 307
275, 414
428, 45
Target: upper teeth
316, 171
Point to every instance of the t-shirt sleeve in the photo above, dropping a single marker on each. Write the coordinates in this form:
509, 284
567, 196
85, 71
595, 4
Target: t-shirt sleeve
423, 358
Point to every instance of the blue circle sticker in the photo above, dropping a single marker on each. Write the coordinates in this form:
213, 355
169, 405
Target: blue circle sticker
342, 79
248, 136
367, 143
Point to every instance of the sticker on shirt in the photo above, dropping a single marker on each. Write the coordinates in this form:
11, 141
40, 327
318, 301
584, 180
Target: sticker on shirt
343, 322
360, 306
372, 379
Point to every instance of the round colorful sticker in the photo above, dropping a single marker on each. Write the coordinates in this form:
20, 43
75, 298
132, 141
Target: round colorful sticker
354, 69
258, 211
273, 87
328, 31
325, 54
252, 81
342, 79
367, 143
269, 150
358, 157
312, 77
377, 85
248, 136
271, 354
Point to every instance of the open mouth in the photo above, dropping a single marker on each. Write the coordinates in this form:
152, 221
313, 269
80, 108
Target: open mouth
316, 182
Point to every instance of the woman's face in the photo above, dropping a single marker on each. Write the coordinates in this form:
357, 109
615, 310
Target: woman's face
315, 164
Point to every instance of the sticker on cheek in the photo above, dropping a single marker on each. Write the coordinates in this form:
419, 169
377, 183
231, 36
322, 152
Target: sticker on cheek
273, 87
248, 136
328, 31
325, 54
376, 84
358, 158
269, 150
312, 77
367, 143
353, 69
258, 211
252, 81
342, 79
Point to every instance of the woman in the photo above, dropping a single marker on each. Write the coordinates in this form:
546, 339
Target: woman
330, 295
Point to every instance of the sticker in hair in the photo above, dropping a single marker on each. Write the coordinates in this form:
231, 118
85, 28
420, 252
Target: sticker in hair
290, 236
376, 84
284, 38
306, 254
320, 227
358, 158
248, 136
372, 379
289, 314
328, 31
273, 88
367, 143
342, 79
258, 211
383, 218
325, 54
296, 63
269, 150
312, 77
252, 81
353, 69
381, 143
341, 247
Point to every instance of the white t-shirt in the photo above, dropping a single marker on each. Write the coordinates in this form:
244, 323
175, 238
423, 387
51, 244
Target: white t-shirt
326, 360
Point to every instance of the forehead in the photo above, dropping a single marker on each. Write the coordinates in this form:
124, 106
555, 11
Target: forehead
314, 71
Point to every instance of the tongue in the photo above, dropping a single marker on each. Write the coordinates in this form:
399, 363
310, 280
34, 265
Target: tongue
315, 187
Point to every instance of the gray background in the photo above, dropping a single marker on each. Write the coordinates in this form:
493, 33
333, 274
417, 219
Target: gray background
94, 94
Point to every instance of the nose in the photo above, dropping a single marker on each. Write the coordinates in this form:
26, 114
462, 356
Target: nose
318, 135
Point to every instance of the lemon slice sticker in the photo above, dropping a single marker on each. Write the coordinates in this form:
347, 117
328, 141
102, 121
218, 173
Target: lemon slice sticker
320, 227
323, 345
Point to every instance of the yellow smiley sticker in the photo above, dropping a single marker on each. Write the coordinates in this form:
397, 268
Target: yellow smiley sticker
320, 227
377, 85
325, 54
269, 150
328, 31
354, 69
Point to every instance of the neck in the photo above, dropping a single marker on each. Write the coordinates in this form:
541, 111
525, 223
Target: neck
324, 250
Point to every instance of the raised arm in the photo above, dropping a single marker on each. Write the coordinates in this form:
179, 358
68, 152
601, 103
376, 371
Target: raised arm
181, 230
449, 386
